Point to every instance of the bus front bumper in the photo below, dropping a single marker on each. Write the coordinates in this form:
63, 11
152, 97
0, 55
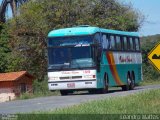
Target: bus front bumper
71, 85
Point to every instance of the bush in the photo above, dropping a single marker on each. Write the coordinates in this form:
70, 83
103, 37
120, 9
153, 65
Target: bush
40, 88
149, 72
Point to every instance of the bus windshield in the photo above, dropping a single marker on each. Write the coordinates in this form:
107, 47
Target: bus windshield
71, 57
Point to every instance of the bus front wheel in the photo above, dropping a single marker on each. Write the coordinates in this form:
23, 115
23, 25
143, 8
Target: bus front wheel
101, 90
106, 85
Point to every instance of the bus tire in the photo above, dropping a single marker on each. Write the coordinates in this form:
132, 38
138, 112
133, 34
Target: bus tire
106, 85
64, 92
93, 91
126, 87
132, 84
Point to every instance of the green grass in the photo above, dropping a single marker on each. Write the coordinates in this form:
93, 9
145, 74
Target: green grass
150, 82
37, 94
142, 103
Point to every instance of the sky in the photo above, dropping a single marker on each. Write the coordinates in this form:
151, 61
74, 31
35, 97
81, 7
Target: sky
150, 9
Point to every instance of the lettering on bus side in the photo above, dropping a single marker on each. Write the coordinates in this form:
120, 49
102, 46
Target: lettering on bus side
126, 59
70, 72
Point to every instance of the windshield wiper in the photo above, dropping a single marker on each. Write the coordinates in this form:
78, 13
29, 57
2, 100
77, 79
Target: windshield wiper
62, 67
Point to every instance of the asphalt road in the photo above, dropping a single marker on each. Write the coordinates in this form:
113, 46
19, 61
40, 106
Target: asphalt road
53, 102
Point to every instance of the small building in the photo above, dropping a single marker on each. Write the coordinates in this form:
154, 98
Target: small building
13, 84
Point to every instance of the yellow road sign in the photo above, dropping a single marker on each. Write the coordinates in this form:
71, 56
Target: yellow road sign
154, 56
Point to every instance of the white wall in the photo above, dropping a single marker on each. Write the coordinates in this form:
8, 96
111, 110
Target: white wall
6, 94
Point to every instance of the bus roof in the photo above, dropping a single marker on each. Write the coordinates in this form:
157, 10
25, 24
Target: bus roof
86, 30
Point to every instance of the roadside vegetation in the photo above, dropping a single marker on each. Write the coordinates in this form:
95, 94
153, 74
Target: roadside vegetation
147, 102
39, 89
150, 74
143, 103
149, 82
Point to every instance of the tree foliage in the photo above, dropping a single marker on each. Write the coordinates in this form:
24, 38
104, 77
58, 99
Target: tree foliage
28, 31
4, 48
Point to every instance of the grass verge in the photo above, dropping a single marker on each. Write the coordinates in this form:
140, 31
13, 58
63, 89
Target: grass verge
149, 82
37, 94
143, 103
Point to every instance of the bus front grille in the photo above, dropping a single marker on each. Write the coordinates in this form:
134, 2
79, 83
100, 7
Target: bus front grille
63, 78
76, 77
70, 77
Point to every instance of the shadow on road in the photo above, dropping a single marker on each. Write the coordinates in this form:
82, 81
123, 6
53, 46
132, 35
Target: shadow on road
87, 93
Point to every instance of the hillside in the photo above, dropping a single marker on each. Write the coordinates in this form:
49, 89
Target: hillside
147, 41
147, 44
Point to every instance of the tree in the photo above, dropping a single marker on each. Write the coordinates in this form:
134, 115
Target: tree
4, 48
29, 30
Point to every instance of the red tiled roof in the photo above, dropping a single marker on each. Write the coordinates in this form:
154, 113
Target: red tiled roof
12, 75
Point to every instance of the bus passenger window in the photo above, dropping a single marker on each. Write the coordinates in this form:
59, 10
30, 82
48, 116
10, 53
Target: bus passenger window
131, 43
118, 42
112, 43
105, 42
124, 43
137, 46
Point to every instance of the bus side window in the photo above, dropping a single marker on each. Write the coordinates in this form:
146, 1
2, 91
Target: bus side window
131, 44
105, 42
124, 43
118, 43
112, 43
137, 46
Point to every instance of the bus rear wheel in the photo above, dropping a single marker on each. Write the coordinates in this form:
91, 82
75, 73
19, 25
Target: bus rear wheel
132, 84
64, 92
